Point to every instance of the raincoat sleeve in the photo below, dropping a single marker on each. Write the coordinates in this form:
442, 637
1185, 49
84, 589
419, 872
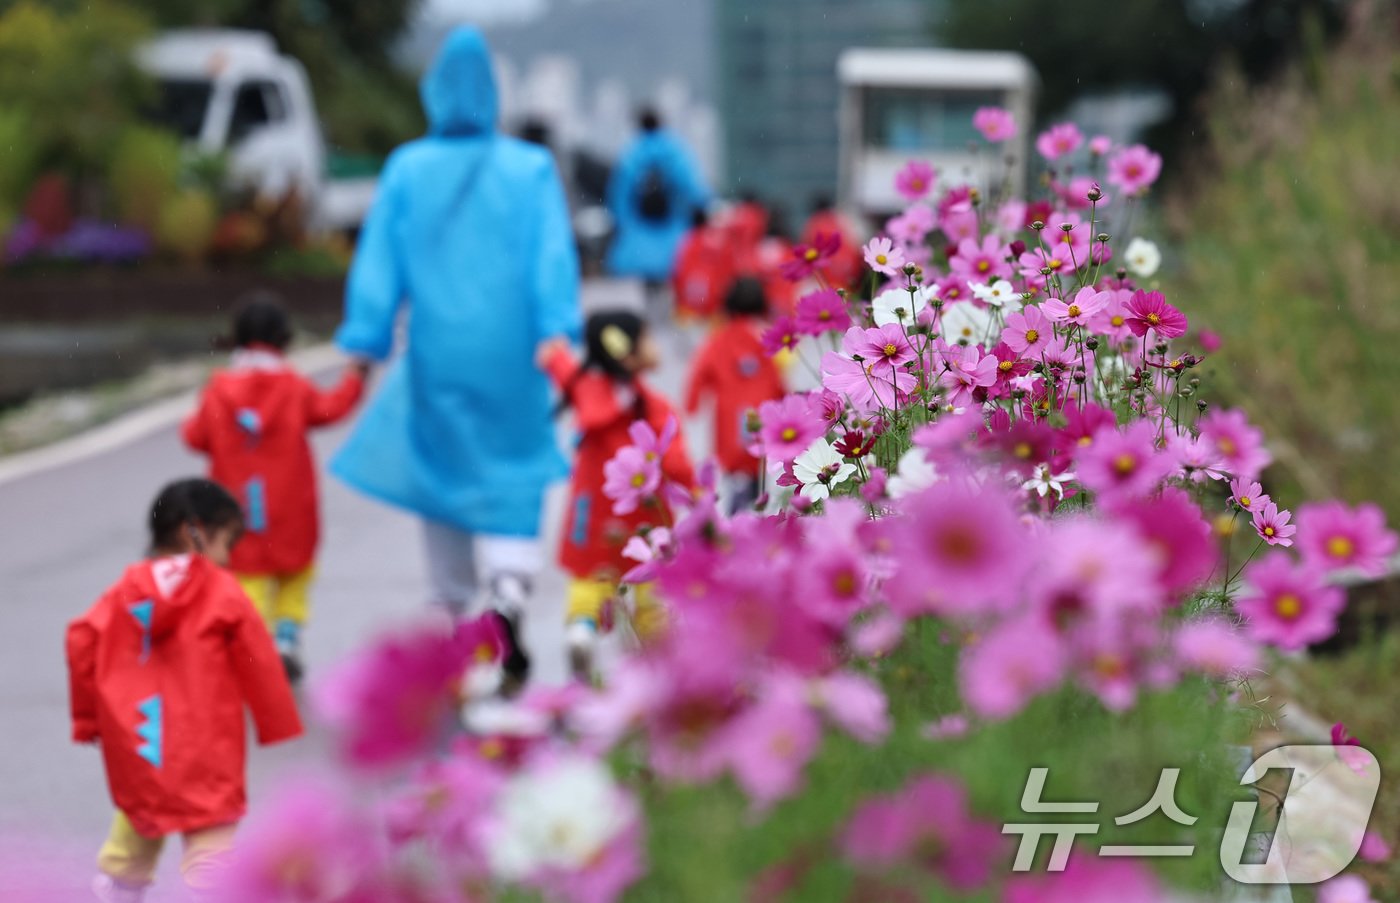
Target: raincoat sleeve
702, 379
676, 463
375, 287
261, 679
195, 430
326, 406
690, 184
556, 276
82, 678
594, 401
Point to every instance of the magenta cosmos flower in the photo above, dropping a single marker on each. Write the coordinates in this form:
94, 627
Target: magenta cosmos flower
1059, 141
788, 426
1087, 880
1134, 168
1014, 663
1214, 646
1028, 332
915, 180
1248, 496
1179, 538
882, 348
927, 824
1125, 463
770, 744
808, 259
995, 123
1149, 310
783, 335
1335, 536
1272, 525
1240, 446
980, 263
884, 256
1289, 605
822, 311
1086, 303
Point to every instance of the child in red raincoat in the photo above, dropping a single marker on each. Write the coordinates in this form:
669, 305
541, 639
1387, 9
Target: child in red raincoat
607, 394
160, 670
732, 369
252, 422
704, 270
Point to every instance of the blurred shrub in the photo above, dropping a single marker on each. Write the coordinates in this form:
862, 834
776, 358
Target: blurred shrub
18, 161
1293, 249
187, 223
144, 174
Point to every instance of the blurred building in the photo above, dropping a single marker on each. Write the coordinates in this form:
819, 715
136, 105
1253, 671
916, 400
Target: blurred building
778, 91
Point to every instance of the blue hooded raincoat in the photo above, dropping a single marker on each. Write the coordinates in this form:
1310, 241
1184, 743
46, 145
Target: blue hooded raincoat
641, 247
469, 231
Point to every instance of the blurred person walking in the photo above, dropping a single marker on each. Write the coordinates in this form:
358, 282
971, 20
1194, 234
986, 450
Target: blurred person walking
470, 232
252, 421
653, 195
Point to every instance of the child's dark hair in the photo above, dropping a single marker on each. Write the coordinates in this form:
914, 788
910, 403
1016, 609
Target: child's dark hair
609, 338
261, 320
192, 502
746, 298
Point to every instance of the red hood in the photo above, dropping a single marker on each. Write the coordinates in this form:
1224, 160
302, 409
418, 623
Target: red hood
159, 604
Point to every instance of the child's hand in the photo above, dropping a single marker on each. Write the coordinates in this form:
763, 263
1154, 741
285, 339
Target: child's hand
362, 366
548, 349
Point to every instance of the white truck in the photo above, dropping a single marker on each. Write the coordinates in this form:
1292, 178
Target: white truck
229, 91
898, 105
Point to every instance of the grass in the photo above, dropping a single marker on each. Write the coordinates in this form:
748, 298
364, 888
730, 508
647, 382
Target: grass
1290, 250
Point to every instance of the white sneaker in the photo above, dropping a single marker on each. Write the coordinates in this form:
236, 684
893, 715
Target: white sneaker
581, 639
109, 890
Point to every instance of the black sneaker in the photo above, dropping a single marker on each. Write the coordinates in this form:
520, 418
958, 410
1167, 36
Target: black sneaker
291, 663
515, 664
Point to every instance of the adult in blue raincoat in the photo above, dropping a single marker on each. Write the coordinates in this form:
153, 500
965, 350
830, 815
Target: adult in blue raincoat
470, 234
653, 195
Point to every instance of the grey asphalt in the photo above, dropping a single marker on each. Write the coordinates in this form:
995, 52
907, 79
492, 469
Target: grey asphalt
66, 534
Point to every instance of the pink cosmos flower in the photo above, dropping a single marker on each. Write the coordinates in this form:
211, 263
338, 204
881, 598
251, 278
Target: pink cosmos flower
1086, 303
1212, 646
631, 478
879, 635
1059, 259
884, 256
1123, 463
959, 222
783, 335
858, 382
648, 551
1090, 880
809, 259
1081, 424
912, 226
1240, 445
1289, 605
1374, 848
855, 703
1349, 750
957, 550
882, 349
1134, 168
822, 311
1059, 141
1172, 528
789, 427
1112, 321
1345, 889
927, 824
1075, 194
1010, 666
1195, 459
1090, 568
1272, 525
771, 743
995, 123
946, 728
394, 699
1028, 331
968, 370
915, 180
1334, 536
1149, 310
980, 263
1247, 496
1100, 145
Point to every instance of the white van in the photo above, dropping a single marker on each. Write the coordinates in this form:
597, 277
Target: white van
230, 91
899, 105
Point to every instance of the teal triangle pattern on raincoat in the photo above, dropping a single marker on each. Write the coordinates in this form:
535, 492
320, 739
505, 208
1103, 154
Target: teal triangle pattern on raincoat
151, 729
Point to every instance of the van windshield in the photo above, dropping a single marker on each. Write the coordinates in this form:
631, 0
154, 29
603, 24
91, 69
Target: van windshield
182, 104
923, 119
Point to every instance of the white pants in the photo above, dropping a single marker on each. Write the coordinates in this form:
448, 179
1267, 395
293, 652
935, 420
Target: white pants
462, 565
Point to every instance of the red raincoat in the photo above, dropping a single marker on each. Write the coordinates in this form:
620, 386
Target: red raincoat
732, 367
252, 422
593, 536
704, 272
160, 669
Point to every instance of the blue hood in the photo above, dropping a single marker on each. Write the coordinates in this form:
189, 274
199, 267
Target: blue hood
459, 89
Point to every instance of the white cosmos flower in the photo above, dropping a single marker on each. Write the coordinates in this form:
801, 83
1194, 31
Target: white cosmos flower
1143, 257
964, 323
914, 472
561, 815
1000, 294
896, 305
1044, 482
819, 468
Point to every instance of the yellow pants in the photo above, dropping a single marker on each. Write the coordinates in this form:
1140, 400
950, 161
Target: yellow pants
280, 598
131, 858
587, 597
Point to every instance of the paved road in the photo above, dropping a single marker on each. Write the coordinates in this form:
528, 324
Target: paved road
68, 532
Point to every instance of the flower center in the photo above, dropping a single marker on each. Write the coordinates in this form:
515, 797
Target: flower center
789, 434
844, 584
1125, 463
959, 545
1032, 335
1022, 450
983, 266
1268, 531
639, 480
1055, 263
824, 315
890, 349
1340, 547
811, 254
1005, 366
1245, 501
1074, 310
1117, 320
881, 259
484, 653
1132, 170
1153, 319
1288, 606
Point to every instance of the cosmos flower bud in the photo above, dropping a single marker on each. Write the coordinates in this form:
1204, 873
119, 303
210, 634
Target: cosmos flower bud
910, 268
1092, 343
1103, 237
1038, 225
1095, 193
1066, 227
1201, 405
1018, 248
1122, 274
